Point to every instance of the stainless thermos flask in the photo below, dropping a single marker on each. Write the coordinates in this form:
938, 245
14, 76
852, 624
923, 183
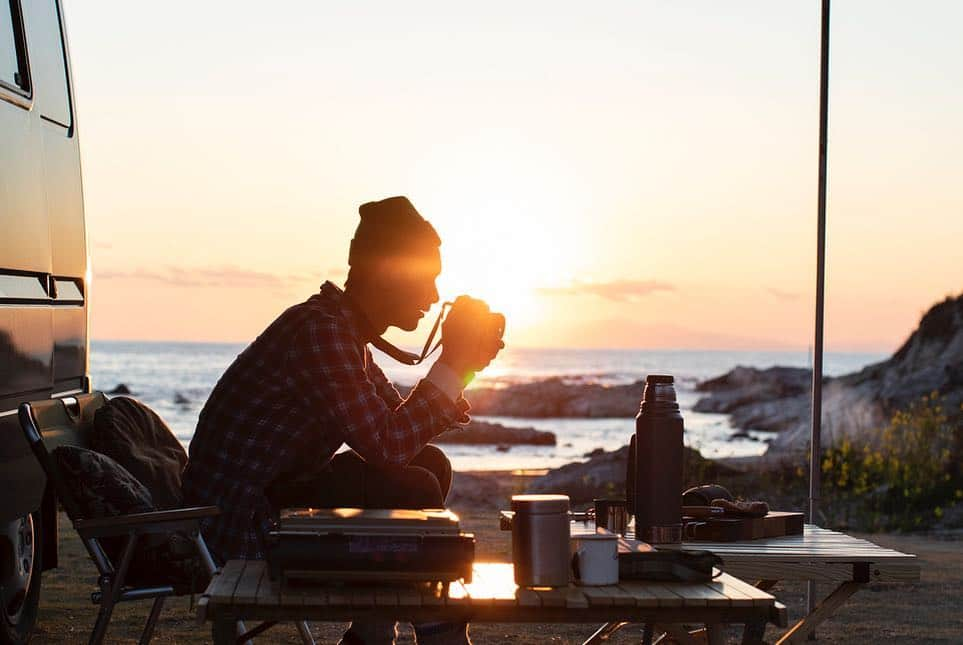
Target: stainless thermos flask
658, 451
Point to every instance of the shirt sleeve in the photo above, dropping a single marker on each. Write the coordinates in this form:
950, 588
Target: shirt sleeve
385, 388
329, 369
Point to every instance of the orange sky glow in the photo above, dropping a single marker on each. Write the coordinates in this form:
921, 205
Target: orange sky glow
638, 174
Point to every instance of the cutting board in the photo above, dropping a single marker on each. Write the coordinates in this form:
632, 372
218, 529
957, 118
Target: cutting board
727, 529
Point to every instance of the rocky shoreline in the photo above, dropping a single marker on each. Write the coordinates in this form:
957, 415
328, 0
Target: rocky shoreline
856, 405
775, 399
482, 432
558, 398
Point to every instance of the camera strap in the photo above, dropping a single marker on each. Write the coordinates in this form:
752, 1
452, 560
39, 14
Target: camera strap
410, 358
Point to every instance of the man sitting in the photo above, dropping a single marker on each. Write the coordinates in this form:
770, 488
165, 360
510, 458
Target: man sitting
268, 434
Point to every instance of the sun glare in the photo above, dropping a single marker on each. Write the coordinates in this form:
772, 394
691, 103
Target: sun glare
504, 244
504, 263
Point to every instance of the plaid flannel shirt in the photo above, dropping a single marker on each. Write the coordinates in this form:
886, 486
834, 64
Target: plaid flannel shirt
306, 385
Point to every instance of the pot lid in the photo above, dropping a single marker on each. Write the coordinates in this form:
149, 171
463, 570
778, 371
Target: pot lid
540, 503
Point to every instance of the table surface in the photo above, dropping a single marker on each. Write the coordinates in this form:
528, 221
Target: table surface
243, 589
818, 554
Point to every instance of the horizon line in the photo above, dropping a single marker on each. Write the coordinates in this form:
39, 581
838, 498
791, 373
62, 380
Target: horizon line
808, 349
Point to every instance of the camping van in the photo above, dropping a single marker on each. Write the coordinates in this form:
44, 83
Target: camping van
43, 285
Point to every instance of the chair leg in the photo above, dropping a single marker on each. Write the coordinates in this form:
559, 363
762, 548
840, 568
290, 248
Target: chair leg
240, 630
112, 587
155, 611
305, 631
204, 553
103, 620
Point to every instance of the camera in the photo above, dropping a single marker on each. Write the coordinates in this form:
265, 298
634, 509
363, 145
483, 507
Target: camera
469, 323
472, 316
471, 334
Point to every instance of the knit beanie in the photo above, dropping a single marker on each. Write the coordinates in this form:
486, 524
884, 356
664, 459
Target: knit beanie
391, 227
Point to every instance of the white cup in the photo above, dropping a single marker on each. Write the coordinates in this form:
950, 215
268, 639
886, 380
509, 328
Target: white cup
595, 559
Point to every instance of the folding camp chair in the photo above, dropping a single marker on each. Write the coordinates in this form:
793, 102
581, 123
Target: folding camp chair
50, 423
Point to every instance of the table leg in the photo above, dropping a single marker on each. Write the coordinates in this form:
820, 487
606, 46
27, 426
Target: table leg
716, 634
223, 631
754, 633
801, 630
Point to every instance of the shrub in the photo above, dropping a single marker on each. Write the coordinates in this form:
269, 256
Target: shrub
903, 480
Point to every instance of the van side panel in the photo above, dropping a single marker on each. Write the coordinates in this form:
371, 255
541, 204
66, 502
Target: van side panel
69, 349
26, 353
64, 202
43, 337
26, 350
25, 242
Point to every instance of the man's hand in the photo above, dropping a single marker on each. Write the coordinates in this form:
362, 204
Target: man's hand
471, 336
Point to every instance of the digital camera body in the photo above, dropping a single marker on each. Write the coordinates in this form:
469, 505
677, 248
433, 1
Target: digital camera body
466, 316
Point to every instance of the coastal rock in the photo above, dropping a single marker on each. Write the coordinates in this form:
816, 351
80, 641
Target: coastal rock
481, 432
854, 405
120, 389
556, 397
743, 385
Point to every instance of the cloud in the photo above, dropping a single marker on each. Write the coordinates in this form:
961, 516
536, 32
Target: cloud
617, 290
225, 276
783, 295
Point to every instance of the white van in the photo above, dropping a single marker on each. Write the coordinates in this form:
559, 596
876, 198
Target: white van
43, 285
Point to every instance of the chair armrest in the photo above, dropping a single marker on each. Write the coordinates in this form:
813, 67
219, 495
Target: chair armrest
178, 519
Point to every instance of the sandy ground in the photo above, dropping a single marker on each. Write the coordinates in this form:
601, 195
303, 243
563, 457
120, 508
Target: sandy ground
930, 611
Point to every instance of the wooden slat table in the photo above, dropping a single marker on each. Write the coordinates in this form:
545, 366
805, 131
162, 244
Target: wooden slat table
244, 591
819, 555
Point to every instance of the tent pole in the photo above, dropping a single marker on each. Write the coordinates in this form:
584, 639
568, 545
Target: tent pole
814, 456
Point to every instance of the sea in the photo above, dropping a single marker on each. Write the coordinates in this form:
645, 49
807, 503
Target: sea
175, 379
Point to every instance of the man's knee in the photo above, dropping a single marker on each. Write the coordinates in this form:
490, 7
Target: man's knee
410, 487
434, 460
432, 454
422, 488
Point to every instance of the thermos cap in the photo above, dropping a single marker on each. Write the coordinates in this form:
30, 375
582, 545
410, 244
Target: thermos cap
659, 378
538, 504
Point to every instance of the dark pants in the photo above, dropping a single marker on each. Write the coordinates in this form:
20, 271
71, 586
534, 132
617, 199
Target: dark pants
349, 481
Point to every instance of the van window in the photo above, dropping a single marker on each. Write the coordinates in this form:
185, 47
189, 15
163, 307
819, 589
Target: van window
48, 62
13, 63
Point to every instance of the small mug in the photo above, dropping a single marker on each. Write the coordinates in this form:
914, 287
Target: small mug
611, 514
595, 559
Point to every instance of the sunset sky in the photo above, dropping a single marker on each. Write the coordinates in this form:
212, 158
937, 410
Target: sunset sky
621, 174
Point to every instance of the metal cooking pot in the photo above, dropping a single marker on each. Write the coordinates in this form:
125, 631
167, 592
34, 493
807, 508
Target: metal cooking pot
540, 540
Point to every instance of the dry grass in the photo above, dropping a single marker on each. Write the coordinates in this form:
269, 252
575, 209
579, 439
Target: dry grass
930, 611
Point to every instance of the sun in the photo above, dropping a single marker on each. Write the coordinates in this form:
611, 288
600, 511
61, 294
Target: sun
505, 263
510, 224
